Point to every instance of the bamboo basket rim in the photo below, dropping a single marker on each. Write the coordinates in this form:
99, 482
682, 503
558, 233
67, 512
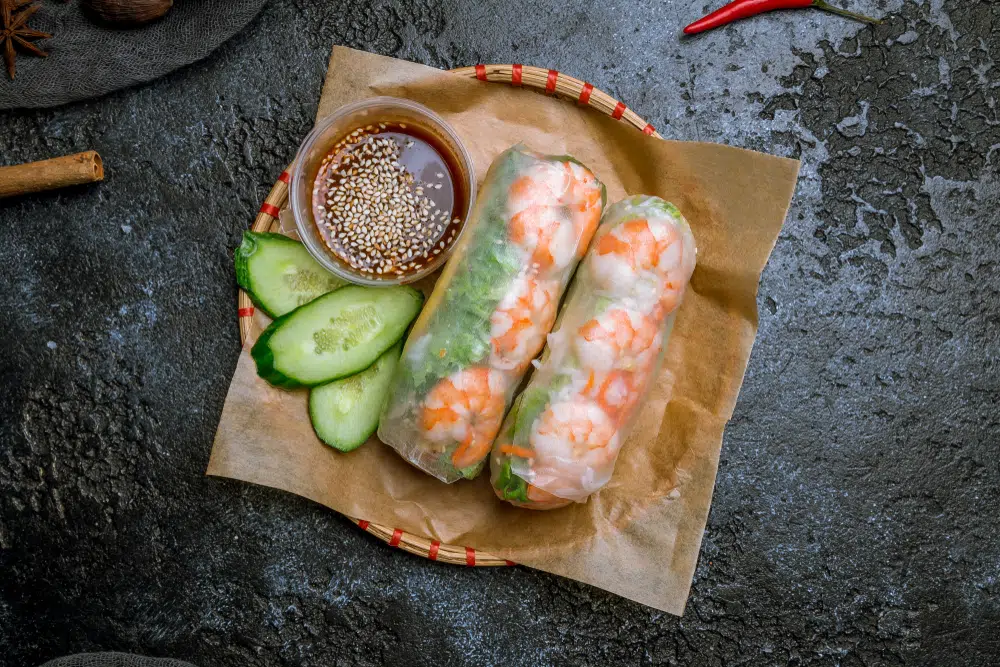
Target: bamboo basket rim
549, 81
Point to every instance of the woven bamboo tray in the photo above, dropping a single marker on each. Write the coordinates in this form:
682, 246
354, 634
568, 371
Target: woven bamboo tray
548, 81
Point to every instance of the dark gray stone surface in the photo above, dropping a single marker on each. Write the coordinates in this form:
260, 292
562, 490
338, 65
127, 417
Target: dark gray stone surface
855, 518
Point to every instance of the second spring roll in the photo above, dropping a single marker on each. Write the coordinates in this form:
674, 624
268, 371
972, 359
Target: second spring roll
561, 439
490, 311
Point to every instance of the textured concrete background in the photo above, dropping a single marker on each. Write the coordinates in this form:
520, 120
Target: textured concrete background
855, 518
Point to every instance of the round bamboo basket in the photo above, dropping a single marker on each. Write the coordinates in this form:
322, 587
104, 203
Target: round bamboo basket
549, 81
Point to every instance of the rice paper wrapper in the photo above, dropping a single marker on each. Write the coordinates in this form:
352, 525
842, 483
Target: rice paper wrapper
560, 440
490, 273
640, 535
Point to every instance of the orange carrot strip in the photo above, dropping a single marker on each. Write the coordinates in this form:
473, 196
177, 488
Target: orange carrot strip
514, 450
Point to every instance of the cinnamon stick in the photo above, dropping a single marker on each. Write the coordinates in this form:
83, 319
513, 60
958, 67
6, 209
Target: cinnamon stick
58, 172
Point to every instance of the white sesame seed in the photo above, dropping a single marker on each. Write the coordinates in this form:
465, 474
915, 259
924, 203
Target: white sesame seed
377, 214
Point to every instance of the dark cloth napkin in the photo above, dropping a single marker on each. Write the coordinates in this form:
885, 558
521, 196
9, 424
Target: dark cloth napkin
87, 59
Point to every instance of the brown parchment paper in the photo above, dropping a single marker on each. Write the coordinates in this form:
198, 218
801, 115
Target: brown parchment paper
639, 537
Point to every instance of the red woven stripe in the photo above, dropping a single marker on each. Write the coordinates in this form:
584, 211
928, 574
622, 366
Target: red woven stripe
245, 312
510, 562
481, 72
397, 535
363, 525
270, 209
585, 93
285, 178
619, 110
470, 556
649, 129
433, 553
550, 81
515, 75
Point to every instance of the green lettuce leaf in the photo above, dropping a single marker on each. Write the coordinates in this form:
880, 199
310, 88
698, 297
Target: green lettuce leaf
510, 485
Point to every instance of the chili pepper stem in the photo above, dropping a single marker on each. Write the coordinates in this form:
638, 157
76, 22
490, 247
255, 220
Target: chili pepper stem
827, 7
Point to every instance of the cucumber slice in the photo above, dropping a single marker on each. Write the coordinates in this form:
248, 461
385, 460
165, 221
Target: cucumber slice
344, 413
279, 274
335, 335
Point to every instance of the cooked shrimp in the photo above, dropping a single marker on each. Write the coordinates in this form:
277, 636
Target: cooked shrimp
585, 203
521, 321
637, 251
547, 234
618, 339
466, 407
544, 183
673, 289
575, 445
539, 499
615, 391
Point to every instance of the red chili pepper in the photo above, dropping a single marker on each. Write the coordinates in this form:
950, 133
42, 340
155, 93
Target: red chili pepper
741, 9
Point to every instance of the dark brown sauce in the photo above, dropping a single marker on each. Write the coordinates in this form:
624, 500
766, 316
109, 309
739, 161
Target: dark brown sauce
388, 199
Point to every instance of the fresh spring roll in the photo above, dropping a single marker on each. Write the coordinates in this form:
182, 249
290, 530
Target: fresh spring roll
561, 439
490, 311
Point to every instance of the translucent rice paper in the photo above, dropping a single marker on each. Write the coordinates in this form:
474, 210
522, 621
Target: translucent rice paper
560, 441
490, 311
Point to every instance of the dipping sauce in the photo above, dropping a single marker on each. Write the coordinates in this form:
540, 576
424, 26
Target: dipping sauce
385, 200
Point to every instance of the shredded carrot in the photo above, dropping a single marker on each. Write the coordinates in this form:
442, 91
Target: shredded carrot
514, 450
441, 353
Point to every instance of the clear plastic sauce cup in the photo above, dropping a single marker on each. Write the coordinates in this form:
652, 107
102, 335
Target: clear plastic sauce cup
381, 191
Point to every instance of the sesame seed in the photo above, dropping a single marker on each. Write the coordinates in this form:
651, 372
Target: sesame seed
378, 218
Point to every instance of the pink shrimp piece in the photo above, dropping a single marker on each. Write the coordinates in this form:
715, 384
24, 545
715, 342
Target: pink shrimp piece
616, 392
546, 234
634, 250
539, 499
618, 339
575, 446
543, 184
466, 407
585, 203
673, 289
521, 321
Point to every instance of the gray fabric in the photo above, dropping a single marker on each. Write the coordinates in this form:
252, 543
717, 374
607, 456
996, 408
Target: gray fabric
113, 660
86, 59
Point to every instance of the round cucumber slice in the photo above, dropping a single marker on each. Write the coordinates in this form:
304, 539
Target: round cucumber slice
279, 274
335, 335
344, 413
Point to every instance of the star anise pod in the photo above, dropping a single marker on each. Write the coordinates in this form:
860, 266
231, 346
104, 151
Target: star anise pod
15, 34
